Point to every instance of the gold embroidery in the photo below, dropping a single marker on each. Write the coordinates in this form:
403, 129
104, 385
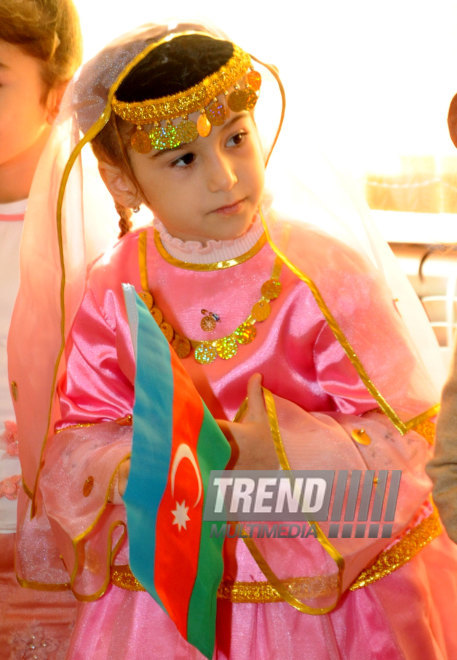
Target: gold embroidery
122, 577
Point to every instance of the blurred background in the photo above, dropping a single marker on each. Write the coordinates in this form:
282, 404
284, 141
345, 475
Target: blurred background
368, 86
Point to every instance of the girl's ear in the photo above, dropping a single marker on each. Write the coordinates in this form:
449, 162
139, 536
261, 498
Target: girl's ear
53, 100
121, 187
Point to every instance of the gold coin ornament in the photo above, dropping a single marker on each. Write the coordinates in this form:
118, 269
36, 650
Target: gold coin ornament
164, 137
157, 315
186, 131
226, 347
245, 333
167, 330
271, 289
140, 141
203, 125
216, 113
254, 80
261, 310
237, 100
205, 353
182, 346
147, 298
250, 99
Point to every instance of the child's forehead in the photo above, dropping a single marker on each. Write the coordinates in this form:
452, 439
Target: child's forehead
14, 58
234, 121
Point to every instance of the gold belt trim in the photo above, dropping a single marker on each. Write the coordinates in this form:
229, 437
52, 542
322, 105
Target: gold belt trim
311, 587
399, 554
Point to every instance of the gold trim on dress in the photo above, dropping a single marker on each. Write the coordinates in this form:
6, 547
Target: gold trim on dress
386, 563
401, 426
423, 425
226, 347
401, 552
217, 265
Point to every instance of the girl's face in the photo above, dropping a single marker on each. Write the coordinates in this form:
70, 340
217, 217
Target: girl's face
210, 188
23, 114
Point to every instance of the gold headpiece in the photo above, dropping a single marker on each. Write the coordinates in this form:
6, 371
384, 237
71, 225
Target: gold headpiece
203, 96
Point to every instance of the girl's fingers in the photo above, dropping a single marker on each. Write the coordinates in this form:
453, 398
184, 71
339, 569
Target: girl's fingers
256, 404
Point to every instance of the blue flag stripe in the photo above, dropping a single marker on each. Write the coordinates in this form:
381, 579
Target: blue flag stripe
151, 445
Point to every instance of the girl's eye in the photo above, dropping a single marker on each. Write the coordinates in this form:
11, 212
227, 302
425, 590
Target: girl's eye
237, 139
184, 161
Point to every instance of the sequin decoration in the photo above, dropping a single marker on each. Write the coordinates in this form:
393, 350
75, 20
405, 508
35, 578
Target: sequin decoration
245, 333
140, 141
164, 137
186, 131
203, 125
250, 100
226, 347
216, 113
254, 80
271, 289
237, 100
261, 310
205, 353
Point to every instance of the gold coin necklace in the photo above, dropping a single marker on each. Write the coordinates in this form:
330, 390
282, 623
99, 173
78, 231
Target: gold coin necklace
206, 351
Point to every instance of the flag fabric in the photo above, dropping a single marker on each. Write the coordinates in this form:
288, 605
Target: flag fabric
176, 443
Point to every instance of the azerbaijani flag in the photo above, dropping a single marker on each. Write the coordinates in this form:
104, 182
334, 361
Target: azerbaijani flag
176, 443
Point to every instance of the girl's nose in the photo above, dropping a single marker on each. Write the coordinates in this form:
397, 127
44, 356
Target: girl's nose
221, 174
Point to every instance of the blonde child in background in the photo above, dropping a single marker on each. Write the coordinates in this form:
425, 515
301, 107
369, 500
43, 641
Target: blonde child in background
40, 48
237, 293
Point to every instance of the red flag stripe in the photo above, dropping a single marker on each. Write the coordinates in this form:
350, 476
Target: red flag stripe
177, 547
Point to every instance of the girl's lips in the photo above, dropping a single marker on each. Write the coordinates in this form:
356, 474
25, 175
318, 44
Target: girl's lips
231, 209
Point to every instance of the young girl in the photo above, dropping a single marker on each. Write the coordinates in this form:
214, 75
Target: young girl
243, 298
40, 48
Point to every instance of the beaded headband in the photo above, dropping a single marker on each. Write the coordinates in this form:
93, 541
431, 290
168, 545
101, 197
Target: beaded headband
203, 96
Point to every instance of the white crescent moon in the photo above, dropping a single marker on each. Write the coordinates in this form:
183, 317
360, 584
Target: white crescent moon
184, 451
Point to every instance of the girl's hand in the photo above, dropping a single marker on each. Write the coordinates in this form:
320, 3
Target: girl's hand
250, 440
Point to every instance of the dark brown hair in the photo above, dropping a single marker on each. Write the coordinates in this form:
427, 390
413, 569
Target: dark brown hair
172, 67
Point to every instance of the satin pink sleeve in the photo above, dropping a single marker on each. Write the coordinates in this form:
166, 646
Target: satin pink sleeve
96, 387
87, 516
79, 478
328, 440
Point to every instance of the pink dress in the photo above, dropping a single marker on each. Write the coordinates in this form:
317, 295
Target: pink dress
33, 623
402, 613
